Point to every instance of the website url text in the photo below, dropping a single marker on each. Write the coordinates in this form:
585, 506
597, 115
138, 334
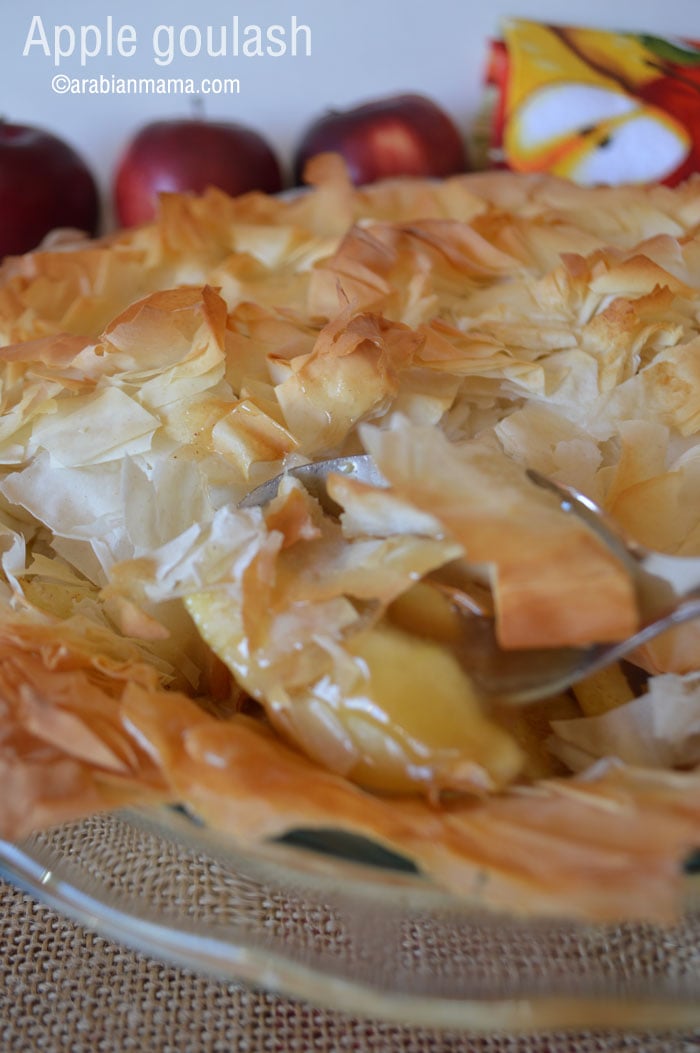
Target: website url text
62, 84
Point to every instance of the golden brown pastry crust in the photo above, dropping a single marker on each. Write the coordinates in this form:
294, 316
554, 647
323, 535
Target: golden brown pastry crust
466, 328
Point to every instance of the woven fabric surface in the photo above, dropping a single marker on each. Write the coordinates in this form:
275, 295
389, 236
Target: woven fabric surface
65, 988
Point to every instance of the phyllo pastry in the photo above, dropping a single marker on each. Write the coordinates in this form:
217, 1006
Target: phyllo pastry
278, 667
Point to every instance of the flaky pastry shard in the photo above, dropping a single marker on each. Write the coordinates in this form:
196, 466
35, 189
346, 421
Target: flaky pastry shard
541, 558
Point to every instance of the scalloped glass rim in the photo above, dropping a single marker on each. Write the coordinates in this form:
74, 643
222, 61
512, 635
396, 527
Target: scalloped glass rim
377, 904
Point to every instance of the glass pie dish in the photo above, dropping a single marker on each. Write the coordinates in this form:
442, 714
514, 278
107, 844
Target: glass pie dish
341, 923
270, 668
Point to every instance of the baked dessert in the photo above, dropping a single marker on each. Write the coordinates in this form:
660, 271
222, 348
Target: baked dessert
279, 668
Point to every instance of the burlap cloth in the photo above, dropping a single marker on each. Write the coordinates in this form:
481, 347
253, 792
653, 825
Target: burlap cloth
64, 987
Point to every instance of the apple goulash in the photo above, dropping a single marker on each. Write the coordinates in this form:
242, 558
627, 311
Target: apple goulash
278, 668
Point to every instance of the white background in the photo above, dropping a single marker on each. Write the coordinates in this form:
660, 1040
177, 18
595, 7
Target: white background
360, 49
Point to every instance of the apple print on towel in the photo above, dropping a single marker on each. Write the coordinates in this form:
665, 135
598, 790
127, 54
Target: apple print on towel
595, 107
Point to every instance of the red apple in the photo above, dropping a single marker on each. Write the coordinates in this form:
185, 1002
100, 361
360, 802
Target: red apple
191, 155
398, 135
44, 184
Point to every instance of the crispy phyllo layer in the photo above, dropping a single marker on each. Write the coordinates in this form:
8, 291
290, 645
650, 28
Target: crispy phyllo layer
280, 667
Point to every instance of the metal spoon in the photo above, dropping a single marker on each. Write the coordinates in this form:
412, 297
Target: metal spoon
668, 590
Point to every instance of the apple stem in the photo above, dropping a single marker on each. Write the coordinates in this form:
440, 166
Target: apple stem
197, 103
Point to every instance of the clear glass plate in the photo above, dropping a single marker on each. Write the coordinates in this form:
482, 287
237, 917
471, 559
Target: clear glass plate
361, 934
